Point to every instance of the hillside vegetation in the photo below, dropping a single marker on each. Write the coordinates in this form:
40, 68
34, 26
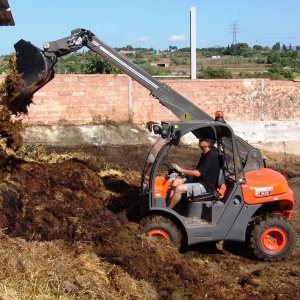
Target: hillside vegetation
235, 61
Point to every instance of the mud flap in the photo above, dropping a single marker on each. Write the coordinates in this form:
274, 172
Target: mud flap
35, 69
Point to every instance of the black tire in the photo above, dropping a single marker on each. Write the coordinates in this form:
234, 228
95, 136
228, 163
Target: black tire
162, 227
272, 238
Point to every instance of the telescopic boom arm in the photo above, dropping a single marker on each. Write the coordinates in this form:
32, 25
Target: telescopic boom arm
41, 72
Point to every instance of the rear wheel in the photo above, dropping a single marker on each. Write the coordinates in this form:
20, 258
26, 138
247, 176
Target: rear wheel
272, 238
162, 227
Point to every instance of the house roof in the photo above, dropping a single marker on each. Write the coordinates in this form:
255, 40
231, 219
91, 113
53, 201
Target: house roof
6, 18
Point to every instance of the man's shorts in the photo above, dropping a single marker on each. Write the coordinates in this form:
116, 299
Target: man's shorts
193, 188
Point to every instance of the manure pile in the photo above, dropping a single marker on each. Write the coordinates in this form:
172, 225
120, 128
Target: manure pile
66, 233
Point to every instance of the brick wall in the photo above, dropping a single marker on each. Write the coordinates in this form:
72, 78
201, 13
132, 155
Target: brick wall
84, 99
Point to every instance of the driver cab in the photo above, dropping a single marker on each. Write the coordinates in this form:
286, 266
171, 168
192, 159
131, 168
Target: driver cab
181, 147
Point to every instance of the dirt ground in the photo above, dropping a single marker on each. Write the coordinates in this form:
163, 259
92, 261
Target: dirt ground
67, 230
83, 195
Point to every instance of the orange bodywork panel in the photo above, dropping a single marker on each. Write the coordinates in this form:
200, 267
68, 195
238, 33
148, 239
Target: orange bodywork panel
222, 191
266, 185
161, 187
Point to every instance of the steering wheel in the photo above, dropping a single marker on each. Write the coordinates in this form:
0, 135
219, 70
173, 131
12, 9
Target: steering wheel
170, 169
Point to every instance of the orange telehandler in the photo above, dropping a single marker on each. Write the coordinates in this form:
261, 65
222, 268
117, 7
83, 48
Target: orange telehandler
256, 203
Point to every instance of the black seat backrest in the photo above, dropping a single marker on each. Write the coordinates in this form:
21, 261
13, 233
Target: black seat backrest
221, 178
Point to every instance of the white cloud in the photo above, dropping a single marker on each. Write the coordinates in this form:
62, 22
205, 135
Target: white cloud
142, 38
177, 38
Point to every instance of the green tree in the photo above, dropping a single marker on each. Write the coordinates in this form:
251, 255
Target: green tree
276, 46
128, 48
173, 48
257, 47
95, 64
273, 57
241, 49
139, 55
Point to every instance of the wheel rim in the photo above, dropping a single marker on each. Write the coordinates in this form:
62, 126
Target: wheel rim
159, 232
274, 239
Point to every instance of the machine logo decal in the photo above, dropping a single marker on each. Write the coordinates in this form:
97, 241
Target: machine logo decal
263, 191
202, 234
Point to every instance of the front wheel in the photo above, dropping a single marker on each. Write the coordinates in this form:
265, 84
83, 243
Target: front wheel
162, 227
272, 238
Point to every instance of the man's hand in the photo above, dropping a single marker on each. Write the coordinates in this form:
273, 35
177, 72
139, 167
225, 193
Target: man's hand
176, 167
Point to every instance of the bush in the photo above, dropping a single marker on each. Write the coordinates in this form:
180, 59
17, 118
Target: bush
211, 73
155, 71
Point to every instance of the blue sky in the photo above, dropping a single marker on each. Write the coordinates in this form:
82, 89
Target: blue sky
155, 23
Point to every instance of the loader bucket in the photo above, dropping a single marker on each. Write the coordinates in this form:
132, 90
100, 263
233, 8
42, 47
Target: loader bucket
35, 69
